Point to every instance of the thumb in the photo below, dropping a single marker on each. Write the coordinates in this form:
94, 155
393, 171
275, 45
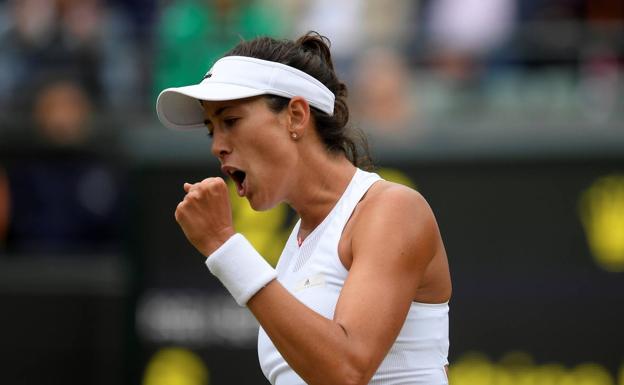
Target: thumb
187, 187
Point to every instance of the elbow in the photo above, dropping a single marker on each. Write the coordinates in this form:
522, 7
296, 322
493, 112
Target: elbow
346, 371
355, 378
352, 363
356, 371
342, 374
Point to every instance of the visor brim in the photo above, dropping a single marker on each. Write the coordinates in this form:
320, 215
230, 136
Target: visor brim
179, 108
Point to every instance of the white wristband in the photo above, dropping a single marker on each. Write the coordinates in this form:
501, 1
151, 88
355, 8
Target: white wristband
240, 268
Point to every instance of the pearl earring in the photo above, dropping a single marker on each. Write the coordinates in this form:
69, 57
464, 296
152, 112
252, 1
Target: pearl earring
293, 135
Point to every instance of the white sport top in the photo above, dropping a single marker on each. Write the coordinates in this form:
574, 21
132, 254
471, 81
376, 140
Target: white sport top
314, 274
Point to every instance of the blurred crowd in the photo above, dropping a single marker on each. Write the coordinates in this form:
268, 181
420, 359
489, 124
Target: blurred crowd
72, 72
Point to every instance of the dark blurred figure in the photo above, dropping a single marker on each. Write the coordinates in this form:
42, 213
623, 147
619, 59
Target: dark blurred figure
558, 33
87, 39
455, 40
601, 66
464, 33
64, 185
386, 108
4, 207
550, 34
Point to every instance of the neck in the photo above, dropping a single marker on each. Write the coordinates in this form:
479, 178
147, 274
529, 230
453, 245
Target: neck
319, 186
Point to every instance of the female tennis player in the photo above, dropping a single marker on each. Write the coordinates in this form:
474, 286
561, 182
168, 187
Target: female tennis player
360, 293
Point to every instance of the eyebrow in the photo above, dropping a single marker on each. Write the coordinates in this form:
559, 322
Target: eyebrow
218, 112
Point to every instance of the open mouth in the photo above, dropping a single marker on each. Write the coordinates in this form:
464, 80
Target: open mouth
238, 176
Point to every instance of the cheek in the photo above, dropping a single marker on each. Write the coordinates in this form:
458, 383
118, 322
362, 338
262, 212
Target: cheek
272, 155
273, 167
274, 149
274, 162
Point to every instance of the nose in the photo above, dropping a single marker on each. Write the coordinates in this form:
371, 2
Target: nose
220, 146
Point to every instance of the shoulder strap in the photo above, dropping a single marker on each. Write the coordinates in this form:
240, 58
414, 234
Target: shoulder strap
363, 180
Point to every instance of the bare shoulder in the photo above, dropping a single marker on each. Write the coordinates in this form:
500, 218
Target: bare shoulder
393, 200
393, 213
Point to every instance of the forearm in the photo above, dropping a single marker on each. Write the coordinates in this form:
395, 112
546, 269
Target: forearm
319, 349
345, 350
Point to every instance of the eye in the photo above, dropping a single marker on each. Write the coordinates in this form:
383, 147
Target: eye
229, 122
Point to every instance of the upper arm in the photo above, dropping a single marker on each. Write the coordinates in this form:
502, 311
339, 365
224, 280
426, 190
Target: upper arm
393, 241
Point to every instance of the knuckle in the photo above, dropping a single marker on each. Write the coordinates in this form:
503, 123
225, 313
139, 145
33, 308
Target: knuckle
211, 185
220, 183
206, 182
193, 196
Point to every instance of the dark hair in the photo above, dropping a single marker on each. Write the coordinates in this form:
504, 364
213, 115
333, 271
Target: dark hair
310, 53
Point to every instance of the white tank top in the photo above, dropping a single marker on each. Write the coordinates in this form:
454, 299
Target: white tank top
314, 274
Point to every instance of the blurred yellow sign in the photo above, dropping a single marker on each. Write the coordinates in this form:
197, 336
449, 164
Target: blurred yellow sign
175, 366
601, 210
518, 368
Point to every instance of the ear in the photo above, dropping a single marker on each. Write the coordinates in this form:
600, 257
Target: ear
299, 116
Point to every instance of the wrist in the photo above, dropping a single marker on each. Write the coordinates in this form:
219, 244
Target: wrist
215, 242
240, 268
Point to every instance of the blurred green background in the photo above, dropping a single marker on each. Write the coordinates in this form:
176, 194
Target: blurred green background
507, 115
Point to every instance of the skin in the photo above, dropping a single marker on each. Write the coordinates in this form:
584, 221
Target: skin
391, 244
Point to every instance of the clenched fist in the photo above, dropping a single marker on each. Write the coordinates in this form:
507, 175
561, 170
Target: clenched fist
205, 214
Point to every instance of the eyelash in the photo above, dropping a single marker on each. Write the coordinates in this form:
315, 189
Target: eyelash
228, 123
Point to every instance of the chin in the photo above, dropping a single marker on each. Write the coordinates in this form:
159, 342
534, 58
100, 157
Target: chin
259, 205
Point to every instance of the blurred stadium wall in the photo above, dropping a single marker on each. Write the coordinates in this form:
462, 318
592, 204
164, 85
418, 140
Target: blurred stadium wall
506, 115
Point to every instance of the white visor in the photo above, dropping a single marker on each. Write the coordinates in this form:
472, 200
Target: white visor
238, 77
